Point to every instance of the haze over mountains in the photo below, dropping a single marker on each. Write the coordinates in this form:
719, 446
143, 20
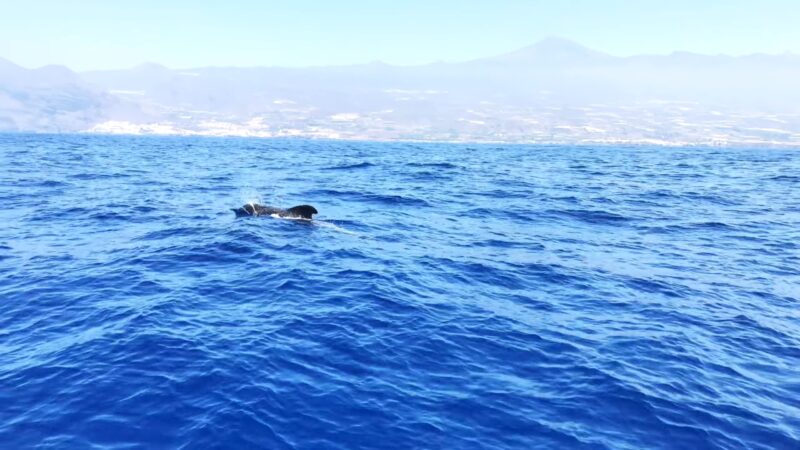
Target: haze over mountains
555, 91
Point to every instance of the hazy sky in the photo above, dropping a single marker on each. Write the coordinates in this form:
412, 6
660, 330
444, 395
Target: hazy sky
94, 34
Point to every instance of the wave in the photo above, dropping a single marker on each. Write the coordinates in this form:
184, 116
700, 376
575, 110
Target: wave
428, 176
439, 165
384, 199
362, 165
37, 183
789, 178
333, 226
171, 233
53, 183
592, 216
4, 250
712, 225
98, 176
481, 213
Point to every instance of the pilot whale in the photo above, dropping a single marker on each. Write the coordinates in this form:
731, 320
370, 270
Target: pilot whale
296, 212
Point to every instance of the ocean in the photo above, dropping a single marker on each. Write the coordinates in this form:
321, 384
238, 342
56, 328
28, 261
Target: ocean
446, 296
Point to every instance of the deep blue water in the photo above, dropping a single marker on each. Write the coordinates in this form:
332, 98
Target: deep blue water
446, 296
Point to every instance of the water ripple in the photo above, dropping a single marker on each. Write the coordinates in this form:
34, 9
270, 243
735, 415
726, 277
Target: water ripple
446, 296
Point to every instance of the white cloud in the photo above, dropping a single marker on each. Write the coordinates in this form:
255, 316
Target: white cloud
345, 117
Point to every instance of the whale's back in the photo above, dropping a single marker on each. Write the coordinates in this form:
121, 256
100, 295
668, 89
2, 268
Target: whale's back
254, 209
302, 211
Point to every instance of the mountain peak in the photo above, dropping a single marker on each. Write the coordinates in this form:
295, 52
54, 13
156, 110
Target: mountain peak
554, 43
151, 67
6, 64
550, 51
553, 47
55, 71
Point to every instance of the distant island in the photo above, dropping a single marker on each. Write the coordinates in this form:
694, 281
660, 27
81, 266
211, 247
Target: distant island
555, 91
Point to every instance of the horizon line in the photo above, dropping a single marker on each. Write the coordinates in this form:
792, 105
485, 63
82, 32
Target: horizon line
548, 40
642, 143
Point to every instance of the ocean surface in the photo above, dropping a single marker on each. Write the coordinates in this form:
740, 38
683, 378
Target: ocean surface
446, 296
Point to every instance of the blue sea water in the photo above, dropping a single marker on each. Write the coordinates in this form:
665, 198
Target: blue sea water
447, 296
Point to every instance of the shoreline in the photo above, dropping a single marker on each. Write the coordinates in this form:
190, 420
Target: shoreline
643, 143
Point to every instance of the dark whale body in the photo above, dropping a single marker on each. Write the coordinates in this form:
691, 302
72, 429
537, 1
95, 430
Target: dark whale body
296, 212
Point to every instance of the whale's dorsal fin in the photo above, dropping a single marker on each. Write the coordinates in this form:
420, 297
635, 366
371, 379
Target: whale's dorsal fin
304, 211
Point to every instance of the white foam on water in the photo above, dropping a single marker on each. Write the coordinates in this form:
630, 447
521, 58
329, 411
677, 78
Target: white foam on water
333, 226
250, 196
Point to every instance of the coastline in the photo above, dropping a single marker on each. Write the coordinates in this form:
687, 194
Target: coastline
644, 143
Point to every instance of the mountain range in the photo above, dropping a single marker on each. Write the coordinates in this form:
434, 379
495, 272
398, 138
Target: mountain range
555, 91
